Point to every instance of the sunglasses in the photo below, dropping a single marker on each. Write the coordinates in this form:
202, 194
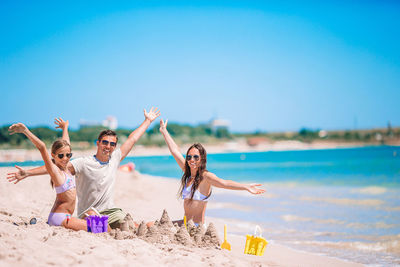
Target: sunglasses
68, 155
195, 157
105, 142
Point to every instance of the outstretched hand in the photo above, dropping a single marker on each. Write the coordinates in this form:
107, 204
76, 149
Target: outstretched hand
61, 124
152, 114
253, 188
16, 177
17, 128
163, 125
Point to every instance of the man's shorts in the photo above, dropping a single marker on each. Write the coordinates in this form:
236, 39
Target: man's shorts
115, 216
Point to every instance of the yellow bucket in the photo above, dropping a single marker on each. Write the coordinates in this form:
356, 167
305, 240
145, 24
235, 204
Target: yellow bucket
255, 244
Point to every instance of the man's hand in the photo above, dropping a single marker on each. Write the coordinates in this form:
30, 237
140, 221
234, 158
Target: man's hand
16, 177
61, 124
152, 114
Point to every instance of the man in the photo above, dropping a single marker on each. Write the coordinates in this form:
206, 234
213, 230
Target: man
95, 175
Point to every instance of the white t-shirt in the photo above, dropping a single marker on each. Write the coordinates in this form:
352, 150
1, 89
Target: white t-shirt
95, 182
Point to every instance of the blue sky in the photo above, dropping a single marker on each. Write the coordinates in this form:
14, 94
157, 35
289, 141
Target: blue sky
262, 66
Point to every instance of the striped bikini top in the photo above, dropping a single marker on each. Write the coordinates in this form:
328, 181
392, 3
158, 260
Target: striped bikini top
68, 184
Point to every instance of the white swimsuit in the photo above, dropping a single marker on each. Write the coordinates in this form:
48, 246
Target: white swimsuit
187, 192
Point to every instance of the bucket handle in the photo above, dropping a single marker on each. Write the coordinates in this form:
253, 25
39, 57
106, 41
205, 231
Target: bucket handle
259, 230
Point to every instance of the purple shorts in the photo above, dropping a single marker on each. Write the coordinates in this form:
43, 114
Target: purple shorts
56, 219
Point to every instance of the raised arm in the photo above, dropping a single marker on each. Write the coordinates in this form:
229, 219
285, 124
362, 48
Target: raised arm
136, 134
232, 185
63, 125
172, 146
21, 174
21, 128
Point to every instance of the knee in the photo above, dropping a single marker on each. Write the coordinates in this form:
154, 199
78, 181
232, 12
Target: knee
89, 213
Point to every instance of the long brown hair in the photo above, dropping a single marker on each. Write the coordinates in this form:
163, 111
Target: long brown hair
199, 175
56, 146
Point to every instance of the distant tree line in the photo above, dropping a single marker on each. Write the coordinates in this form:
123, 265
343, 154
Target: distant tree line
182, 133
49, 135
348, 135
85, 137
308, 135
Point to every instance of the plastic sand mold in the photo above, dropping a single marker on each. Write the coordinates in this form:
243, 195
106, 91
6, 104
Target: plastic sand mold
255, 244
97, 224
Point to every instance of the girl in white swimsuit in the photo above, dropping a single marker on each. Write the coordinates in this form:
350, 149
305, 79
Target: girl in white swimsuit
196, 182
64, 182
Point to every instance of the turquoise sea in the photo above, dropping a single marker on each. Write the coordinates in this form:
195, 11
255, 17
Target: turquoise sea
351, 167
338, 202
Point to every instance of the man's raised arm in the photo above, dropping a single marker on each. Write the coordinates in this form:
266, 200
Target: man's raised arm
136, 134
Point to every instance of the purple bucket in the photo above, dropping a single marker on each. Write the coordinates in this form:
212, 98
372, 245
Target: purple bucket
97, 224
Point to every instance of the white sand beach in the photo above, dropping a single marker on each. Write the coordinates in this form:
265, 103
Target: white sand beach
144, 197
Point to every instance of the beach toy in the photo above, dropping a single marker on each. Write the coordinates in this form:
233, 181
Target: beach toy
129, 167
225, 245
184, 221
97, 224
255, 244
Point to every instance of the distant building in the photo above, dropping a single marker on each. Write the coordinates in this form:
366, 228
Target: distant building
216, 124
389, 130
322, 133
110, 122
255, 141
219, 128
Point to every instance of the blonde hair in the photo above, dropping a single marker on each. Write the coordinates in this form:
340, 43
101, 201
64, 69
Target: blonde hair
56, 146
59, 144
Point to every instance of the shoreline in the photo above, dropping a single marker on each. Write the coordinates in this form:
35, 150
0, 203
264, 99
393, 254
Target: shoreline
22, 155
33, 198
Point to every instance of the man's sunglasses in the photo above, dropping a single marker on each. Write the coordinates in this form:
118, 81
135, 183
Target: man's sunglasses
105, 142
68, 155
195, 157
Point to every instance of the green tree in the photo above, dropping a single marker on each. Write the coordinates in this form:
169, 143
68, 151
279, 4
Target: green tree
305, 133
88, 134
222, 133
45, 134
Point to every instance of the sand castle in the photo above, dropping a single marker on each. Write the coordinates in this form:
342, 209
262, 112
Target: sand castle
163, 231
